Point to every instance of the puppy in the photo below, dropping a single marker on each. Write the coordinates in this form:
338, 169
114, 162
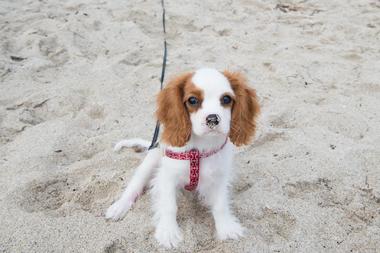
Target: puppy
204, 115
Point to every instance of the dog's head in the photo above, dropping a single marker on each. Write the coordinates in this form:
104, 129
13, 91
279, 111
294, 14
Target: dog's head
207, 103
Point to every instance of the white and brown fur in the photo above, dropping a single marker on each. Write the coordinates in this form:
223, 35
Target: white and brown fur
185, 128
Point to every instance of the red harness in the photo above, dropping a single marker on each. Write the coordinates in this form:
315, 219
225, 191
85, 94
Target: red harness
194, 156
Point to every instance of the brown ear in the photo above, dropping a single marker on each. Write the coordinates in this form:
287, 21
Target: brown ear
244, 111
172, 112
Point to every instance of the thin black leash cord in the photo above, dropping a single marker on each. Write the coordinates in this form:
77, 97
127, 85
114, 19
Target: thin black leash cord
154, 143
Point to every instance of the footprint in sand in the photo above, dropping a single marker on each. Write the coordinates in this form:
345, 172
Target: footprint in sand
54, 51
46, 195
284, 120
275, 225
39, 108
347, 124
95, 112
94, 196
116, 246
302, 188
63, 195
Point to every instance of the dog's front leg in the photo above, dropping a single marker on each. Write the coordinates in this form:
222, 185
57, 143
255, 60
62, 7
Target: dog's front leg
227, 225
167, 232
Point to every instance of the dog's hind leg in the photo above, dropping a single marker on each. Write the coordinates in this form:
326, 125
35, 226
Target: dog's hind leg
136, 185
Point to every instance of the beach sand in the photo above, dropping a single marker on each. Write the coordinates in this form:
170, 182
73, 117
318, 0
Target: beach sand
78, 76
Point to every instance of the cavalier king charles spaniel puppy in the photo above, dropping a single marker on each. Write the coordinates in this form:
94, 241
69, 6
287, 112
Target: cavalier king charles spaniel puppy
204, 115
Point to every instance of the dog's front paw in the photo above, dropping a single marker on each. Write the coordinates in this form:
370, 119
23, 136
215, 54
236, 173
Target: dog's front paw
119, 209
229, 229
168, 234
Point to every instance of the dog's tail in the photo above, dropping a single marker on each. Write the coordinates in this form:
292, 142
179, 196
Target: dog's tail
139, 145
139, 180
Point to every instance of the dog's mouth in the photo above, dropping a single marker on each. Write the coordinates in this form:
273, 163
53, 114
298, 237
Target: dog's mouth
212, 125
213, 131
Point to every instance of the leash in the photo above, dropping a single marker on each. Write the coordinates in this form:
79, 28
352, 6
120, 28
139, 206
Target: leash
154, 143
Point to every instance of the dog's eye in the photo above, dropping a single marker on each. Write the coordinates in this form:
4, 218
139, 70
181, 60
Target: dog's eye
193, 100
226, 100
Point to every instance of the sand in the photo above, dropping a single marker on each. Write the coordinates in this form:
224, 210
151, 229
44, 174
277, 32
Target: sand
78, 76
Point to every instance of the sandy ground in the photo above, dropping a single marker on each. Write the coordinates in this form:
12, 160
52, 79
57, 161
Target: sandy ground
86, 77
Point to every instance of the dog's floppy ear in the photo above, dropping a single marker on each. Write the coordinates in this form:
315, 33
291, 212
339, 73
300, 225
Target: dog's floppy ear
172, 113
244, 111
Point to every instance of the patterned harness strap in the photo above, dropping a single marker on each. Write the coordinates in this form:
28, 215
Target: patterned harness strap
194, 156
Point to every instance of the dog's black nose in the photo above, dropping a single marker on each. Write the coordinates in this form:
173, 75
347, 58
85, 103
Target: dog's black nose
212, 120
